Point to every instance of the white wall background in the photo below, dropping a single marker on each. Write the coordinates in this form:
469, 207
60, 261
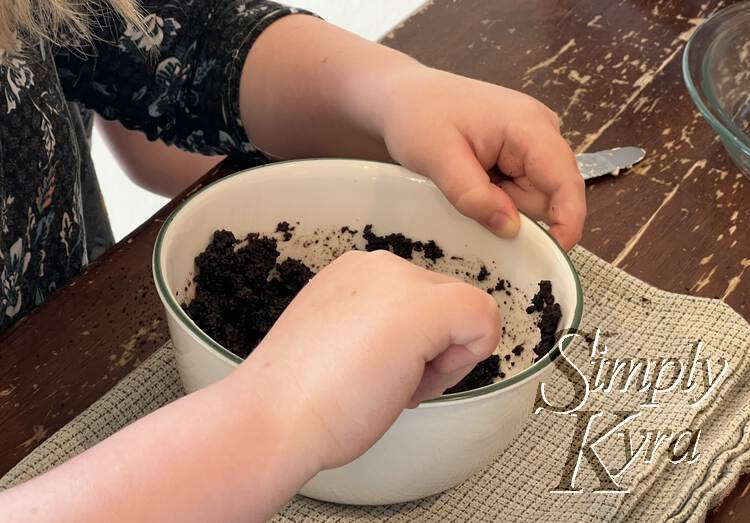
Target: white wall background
129, 205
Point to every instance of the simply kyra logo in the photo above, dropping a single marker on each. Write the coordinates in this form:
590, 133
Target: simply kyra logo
656, 381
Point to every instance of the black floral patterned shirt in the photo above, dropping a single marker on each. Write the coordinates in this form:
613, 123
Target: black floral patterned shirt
177, 82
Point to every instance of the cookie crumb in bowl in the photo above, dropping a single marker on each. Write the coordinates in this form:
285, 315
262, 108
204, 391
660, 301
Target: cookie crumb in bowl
285, 229
243, 286
544, 303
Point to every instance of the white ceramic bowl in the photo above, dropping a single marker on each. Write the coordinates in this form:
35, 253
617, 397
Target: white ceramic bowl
440, 443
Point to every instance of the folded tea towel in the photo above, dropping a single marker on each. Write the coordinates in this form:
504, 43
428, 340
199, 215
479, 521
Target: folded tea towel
701, 422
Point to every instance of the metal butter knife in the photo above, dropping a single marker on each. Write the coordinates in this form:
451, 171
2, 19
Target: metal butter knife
610, 161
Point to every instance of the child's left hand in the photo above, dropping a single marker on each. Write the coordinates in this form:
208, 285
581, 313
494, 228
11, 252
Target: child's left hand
362, 100
454, 129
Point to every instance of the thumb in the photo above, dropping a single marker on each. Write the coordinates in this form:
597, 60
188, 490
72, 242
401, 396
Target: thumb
443, 372
464, 329
464, 182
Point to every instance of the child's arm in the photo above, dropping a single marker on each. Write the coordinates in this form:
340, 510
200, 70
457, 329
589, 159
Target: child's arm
155, 166
238, 450
311, 89
216, 455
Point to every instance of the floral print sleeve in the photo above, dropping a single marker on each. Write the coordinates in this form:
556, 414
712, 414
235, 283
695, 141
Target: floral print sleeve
179, 80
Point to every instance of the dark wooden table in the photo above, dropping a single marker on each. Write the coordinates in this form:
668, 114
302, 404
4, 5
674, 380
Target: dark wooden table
612, 70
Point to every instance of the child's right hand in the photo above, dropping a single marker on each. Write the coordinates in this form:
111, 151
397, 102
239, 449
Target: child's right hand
370, 335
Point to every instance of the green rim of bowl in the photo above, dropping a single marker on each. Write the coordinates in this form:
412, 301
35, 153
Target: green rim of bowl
175, 307
710, 108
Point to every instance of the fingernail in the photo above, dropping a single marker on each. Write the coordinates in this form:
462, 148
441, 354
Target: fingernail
503, 225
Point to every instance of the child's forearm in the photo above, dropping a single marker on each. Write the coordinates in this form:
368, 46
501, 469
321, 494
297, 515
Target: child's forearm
312, 89
216, 455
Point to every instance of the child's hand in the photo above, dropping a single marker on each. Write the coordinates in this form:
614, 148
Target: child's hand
370, 335
324, 92
454, 129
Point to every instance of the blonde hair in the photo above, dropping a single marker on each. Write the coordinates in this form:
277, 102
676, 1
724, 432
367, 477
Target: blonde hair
58, 20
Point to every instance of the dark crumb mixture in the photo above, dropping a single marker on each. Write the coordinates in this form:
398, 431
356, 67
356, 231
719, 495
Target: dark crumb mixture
242, 288
544, 302
500, 286
286, 229
483, 374
487, 370
400, 245
241, 292
432, 252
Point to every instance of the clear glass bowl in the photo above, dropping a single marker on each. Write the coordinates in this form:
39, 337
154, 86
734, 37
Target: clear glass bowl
716, 66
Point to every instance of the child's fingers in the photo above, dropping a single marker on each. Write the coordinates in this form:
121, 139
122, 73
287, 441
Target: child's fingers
460, 314
532, 202
474, 332
537, 206
443, 372
461, 178
553, 170
567, 214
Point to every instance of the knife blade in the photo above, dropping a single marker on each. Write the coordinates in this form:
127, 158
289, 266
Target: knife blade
609, 161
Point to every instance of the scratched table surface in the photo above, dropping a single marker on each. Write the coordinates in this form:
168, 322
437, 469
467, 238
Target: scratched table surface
612, 70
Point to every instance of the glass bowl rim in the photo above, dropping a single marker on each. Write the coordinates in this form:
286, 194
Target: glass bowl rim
709, 107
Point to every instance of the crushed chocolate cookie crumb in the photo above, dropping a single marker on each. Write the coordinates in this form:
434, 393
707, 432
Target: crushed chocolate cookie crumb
286, 229
400, 245
483, 374
432, 252
544, 303
397, 243
237, 300
243, 286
